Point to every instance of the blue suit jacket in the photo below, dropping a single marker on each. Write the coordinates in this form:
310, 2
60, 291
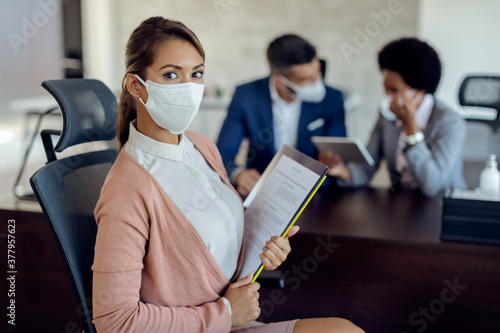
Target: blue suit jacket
250, 116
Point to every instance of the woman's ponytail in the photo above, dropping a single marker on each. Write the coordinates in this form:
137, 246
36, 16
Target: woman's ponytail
127, 112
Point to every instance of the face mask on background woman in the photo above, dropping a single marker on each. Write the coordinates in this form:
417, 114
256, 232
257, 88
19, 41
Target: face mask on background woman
385, 106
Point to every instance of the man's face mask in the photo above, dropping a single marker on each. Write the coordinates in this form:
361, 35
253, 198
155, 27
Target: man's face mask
314, 92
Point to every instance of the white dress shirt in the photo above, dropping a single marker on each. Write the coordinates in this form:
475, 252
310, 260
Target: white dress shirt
285, 118
212, 207
422, 115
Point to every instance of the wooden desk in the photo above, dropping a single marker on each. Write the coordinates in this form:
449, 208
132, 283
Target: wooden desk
368, 255
43, 295
376, 258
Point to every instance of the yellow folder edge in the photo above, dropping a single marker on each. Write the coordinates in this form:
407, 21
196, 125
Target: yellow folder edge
256, 275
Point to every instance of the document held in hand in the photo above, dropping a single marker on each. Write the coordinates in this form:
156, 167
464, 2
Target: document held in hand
276, 201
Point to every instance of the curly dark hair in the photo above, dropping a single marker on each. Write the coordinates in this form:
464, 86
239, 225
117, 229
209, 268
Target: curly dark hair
416, 61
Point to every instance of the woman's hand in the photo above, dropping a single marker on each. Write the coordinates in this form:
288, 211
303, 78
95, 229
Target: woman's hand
404, 105
244, 300
276, 250
336, 166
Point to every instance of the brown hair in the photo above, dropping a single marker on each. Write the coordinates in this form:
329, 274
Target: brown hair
139, 54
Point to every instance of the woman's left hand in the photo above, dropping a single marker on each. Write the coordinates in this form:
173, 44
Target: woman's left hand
404, 105
276, 250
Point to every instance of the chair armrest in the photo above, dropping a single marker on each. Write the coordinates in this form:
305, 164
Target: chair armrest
47, 144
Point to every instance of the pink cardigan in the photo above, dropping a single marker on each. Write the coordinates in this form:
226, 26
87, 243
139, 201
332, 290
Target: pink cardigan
152, 271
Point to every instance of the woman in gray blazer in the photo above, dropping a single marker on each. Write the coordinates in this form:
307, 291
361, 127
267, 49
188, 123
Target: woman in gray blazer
421, 139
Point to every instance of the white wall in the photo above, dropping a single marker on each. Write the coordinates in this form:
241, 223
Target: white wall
101, 47
30, 52
465, 33
235, 34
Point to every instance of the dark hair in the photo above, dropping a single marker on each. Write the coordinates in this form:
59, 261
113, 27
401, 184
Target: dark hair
289, 50
139, 54
416, 61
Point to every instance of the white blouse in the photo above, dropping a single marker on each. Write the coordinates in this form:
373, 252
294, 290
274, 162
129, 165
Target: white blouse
212, 207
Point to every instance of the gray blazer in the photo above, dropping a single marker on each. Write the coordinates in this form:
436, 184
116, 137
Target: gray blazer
436, 163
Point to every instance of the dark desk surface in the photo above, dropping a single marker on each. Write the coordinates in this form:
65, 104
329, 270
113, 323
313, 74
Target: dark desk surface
400, 216
386, 263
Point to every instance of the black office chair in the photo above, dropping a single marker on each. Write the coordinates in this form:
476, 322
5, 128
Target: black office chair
482, 91
68, 189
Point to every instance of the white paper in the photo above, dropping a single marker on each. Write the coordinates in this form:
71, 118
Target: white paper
273, 208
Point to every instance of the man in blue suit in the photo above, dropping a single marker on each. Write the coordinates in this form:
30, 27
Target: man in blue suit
288, 107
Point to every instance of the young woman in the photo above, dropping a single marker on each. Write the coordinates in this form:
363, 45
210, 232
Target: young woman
421, 138
170, 226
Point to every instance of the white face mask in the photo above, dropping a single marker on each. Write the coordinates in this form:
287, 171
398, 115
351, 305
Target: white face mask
173, 106
314, 92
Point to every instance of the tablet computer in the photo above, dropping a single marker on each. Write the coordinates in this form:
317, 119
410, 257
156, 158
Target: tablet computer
351, 150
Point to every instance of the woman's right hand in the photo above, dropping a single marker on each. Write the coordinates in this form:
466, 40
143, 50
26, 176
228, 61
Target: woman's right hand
336, 166
244, 300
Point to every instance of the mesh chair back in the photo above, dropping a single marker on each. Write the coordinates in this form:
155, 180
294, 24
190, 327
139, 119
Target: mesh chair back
68, 189
482, 91
88, 108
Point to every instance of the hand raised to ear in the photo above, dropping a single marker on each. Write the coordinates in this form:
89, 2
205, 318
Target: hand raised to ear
405, 105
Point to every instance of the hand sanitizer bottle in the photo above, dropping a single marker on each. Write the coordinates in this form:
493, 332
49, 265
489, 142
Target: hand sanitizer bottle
489, 180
